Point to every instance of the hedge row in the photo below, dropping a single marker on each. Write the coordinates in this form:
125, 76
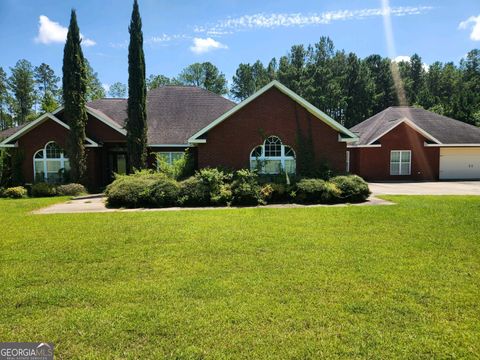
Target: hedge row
44, 190
214, 187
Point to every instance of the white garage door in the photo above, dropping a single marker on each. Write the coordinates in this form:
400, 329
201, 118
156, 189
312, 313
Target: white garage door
460, 163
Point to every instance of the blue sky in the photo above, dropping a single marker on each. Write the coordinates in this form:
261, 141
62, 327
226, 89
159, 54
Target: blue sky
178, 33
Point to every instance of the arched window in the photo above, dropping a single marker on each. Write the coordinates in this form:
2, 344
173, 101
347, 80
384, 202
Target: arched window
273, 157
49, 162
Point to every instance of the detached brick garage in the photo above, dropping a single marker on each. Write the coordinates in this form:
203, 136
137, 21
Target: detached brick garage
406, 143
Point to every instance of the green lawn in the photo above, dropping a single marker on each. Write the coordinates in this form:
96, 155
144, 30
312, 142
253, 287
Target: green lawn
338, 282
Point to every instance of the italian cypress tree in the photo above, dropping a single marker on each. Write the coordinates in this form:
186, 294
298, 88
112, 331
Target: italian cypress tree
137, 93
74, 89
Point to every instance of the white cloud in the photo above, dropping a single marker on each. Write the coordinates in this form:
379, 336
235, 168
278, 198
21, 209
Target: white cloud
401, 58
52, 32
201, 46
106, 87
474, 23
406, 58
269, 21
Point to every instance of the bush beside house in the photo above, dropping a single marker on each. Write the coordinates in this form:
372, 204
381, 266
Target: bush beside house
43, 190
215, 187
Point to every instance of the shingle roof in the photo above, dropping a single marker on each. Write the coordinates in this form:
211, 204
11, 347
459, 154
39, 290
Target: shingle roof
174, 113
8, 132
446, 130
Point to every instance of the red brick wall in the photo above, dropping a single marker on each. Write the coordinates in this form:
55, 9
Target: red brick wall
35, 140
48, 131
230, 143
374, 163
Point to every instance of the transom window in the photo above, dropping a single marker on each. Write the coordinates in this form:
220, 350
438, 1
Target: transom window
272, 157
400, 162
49, 163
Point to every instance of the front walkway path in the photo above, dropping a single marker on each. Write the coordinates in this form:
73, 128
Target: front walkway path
97, 204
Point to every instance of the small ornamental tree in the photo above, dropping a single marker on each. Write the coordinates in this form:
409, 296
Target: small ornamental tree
74, 89
136, 125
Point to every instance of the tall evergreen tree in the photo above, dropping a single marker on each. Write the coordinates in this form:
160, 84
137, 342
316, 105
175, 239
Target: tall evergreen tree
74, 89
117, 90
3, 99
46, 79
22, 85
155, 81
137, 94
204, 75
95, 89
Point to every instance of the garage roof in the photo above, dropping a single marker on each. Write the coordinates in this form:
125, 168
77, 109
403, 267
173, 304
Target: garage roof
439, 129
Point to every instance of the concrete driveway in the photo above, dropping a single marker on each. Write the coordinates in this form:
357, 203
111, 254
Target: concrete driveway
426, 188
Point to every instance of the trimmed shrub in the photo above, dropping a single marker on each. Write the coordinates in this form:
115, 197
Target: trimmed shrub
266, 192
353, 188
43, 189
71, 190
163, 193
193, 192
280, 193
132, 190
16, 192
219, 193
223, 196
317, 191
245, 188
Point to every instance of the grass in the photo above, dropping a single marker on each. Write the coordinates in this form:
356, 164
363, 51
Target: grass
357, 282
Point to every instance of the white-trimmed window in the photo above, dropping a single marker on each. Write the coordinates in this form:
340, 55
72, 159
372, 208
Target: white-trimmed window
171, 156
400, 162
272, 157
49, 162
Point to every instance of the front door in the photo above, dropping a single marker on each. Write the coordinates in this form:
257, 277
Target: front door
117, 163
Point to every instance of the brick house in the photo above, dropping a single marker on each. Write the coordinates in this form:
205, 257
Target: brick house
263, 132
267, 132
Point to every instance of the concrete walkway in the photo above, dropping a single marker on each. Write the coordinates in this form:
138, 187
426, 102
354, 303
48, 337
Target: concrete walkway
96, 204
426, 188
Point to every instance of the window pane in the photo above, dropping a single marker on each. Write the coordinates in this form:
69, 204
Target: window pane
405, 156
289, 151
38, 167
176, 155
66, 165
53, 151
257, 152
395, 156
165, 156
290, 166
53, 166
272, 166
273, 146
394, 169
405, 169
39, 155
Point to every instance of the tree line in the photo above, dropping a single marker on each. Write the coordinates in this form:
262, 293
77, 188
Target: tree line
32, 90
345, 86
349, 88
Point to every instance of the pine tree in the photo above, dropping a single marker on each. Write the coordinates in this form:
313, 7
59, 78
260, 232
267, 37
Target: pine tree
74, 89
22, 85
137, 93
